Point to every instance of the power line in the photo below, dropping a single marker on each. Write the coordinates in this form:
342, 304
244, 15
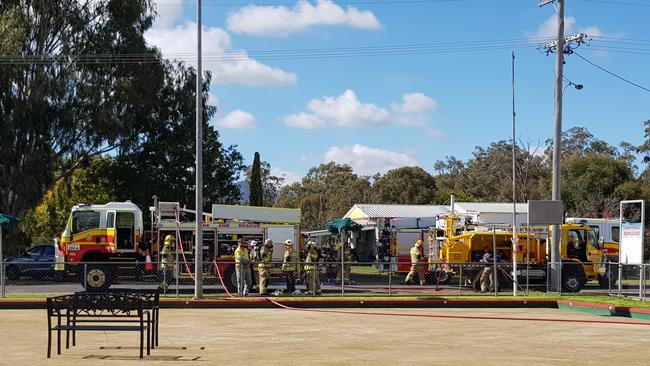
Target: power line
611, 73
352, 3
282, 54
612, 2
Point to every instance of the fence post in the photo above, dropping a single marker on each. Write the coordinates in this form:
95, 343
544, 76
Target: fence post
609, 278
2, 274
460, 280
390, 281
641, 280
177, 273
164, 279
313, 280
620, 279
342, 279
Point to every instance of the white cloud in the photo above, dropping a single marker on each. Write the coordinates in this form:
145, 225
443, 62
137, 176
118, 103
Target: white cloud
236, 68
289, 177
548, 29
237, 119
415, 103
346, 110
168, 12
213, 100
303, 120
367, 160
281, 20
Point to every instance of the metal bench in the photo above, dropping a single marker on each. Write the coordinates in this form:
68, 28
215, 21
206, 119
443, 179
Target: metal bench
109, 308
150, 301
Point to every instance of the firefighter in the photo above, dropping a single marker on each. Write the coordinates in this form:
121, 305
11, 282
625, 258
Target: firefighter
266, 256
242, 268
417, 264
255, 258
313, 282
487, 275
167, 258
290, 266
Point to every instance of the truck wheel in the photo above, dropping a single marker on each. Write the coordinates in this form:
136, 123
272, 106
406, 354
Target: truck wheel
230, 280
12, 273
98, 278
572, 282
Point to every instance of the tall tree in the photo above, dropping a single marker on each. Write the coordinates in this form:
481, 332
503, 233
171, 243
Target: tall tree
163, 164
589, 184
88, 184
61, 101
256, 197
271, 184
407, 185
325, 193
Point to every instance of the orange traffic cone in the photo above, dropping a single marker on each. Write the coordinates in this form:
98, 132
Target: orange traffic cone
148, 266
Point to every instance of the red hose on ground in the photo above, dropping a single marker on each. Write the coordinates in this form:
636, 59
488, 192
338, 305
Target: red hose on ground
218, 273
458, 316
438, 316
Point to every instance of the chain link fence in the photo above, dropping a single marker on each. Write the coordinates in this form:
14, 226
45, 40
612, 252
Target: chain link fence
334, 279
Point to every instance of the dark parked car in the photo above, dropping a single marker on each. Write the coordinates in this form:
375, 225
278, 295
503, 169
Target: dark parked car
36, 262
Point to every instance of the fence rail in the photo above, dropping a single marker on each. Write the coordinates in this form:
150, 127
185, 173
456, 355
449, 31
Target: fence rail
347, 279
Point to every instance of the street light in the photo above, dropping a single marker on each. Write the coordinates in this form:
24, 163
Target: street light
570, 83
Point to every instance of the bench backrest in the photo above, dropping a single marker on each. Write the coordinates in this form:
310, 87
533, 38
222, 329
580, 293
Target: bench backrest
150, 297
102, 304
59, 305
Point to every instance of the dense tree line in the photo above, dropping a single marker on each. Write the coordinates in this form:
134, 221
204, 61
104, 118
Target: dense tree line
79, 127
595, 177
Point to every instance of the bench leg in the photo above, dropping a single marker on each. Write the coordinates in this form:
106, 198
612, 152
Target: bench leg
141, 342
157, 318
148, 341
74, 333
58, 341
49, 343
153, 329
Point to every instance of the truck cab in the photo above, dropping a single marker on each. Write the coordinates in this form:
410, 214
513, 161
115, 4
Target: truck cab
97, 234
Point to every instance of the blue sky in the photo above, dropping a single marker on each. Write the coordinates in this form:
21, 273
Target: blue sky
381, 112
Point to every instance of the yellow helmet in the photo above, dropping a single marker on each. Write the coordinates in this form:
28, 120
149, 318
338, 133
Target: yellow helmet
418, 243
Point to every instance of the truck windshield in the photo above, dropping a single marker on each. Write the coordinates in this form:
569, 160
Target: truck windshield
84, 220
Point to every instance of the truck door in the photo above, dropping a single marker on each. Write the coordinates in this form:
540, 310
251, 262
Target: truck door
125, 232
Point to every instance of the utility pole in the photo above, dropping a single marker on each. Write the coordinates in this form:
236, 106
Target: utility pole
198, 237
555, 275
559, 47
514, 187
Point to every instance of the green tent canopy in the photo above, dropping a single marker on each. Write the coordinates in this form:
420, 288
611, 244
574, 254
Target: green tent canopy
8, 222
338, 226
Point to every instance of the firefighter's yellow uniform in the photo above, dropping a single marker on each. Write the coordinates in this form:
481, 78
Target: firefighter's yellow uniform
168, 252
313, 282
243, 269
417, 264
290, 265
266, 256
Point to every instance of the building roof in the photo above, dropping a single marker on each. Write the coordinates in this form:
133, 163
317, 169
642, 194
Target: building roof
492, 207
372, 211
392, 210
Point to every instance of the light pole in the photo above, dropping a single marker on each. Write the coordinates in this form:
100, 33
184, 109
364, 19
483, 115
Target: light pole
198, 237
